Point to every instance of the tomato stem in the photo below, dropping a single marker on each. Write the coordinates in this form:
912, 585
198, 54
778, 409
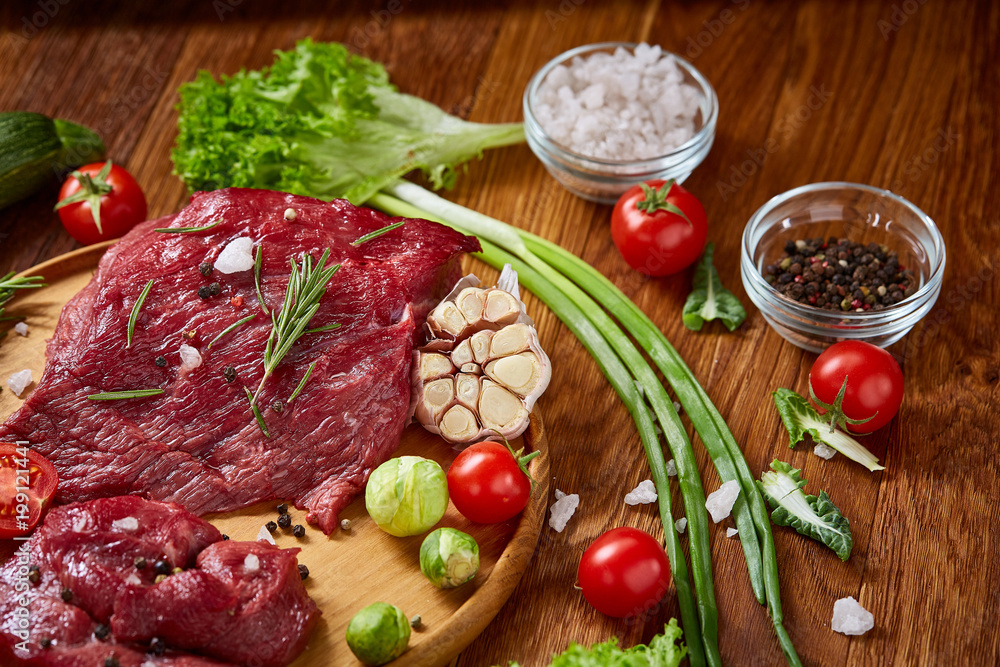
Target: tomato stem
835, 410
92, 188
655, 199
522, 459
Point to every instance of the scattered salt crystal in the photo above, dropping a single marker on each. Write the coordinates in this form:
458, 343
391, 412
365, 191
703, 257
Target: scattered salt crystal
79, 524
720, 502
19, 381
563, 509
677, 407
671, 468
681, 525
265, 535
129, 523
619, 105
731, 532
133, 579
824, 451
850, 618
21, 328
190, 358
643, 494
251, 563
236, 257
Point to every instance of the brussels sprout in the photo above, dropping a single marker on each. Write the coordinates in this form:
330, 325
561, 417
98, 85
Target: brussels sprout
407, 495
378, 633
449, 557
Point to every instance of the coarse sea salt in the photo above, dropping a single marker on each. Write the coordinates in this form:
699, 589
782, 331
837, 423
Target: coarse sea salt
237, 256
671, 468
21, 328
129, 523
133, 579
731, 532
251, 563
563, 509
265, 535
681, 525
720, 502
850, 618
19, 381
190, 357
824, 451
643, 494
619, 106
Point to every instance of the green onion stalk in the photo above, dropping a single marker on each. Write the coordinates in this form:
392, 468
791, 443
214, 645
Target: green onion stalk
563, 281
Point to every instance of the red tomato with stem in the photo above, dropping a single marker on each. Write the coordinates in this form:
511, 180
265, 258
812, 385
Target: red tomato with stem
489, 482
624, 573
659, 227
858, 384
99, 202
27, 483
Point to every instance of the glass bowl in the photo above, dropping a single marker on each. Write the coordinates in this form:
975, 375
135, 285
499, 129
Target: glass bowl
603, 180
860, 213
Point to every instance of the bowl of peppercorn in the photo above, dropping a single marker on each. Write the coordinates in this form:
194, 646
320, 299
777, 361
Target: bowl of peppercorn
828, 262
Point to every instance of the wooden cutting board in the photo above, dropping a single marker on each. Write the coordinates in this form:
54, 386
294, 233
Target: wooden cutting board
350, 569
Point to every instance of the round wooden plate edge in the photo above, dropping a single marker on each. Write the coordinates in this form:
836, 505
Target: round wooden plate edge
479, 610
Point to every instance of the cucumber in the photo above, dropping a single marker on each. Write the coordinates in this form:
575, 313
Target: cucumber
35, 148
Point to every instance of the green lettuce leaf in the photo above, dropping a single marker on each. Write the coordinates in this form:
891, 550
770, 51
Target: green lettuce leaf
813, 516
709, 299
800, 418
319, 122
665, 650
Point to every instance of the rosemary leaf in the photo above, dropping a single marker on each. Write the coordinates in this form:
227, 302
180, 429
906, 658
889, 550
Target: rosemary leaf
257, 261
378, 232
256, 413
325, 327
135, 311
188, 230
122, 395
302, 383
232, 326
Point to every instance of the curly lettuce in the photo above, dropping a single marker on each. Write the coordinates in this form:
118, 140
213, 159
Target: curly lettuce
664, 650
320, 122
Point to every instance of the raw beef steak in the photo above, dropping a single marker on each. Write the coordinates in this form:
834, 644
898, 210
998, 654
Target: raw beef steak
198, 443
91, 600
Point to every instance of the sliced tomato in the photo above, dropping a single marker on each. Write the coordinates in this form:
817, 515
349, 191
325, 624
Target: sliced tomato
27, 483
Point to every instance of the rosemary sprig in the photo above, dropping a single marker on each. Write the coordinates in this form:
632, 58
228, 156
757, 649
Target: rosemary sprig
325, 327
378, 232
188, 230
135, 311
9, 284
306, 286
302, 383
256, 413
232, 326
122, 395
257, 261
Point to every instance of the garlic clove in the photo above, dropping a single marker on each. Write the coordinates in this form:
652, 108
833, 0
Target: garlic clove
459, 424
502, 411
521, 373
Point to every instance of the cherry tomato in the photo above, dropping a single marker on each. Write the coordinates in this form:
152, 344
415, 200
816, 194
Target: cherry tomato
488, 482
624, 573
27, 483
659, 227
874, 384
106, 189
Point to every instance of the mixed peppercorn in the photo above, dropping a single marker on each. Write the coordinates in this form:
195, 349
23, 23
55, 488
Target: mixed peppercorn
838, 274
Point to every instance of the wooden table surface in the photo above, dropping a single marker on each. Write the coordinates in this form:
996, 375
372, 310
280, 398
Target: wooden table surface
902, 95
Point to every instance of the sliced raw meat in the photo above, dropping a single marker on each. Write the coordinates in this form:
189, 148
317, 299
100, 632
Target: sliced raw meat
88, 578
198, 443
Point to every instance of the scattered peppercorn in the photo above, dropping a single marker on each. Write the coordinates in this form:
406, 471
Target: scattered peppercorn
278, 407
162, 566
159, 578
102, 631
190, 334
291, 214
157, 646
45, 642
271, 526
284, 521
66, 595
205, 268
177, 570
34, 574
298, 530
204, 292
229, 373
139, 562
416, 621
111, 661
225, 538
345, 524
160, 361
838, 274
282, 508
303, 572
